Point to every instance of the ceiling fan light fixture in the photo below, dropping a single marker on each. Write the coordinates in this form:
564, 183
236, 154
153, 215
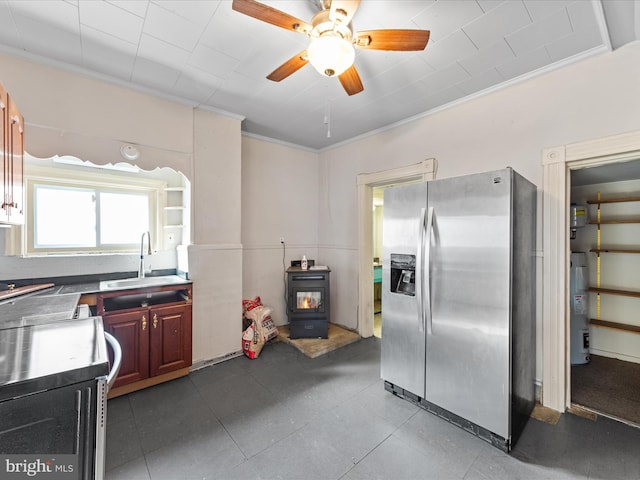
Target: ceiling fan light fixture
330, 54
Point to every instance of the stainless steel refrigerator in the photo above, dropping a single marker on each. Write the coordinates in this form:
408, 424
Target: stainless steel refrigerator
458, 301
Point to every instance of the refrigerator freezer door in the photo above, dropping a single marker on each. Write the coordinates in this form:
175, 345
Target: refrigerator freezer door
403, 337
467, 368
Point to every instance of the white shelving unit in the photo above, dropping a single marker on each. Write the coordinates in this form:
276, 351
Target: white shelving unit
175, 211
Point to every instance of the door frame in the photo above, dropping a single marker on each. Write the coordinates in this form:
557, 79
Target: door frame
556, 189
425, 170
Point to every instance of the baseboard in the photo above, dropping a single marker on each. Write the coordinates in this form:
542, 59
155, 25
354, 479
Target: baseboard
206, 363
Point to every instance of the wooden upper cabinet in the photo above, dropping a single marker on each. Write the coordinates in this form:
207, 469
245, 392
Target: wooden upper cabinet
4, 115
12, 193
16, 152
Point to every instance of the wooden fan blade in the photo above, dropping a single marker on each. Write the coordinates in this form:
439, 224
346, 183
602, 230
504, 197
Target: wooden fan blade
271, 15
343, 10
350, 81
399, 40
292, 65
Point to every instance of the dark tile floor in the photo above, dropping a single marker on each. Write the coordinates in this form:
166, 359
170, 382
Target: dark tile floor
285, 416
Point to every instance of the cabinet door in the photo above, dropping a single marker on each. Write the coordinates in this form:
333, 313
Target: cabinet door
4, 210
170, 338
131, 329
16, 165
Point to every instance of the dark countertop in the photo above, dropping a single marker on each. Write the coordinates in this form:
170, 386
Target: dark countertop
47, 356
42, 346
86, 284
59, 302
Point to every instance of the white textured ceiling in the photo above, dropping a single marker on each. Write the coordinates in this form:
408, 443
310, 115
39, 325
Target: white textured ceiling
204, 53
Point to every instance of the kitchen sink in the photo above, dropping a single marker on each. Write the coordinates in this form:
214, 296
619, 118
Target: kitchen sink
141, 282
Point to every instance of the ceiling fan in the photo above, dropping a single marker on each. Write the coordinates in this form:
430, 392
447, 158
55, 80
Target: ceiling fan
332, 41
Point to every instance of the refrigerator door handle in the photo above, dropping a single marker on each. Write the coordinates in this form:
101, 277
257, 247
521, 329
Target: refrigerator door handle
427, 266
420, 270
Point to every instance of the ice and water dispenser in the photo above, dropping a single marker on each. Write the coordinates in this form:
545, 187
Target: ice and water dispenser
403, 274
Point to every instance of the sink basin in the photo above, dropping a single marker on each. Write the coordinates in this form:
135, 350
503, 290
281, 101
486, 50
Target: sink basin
141, 282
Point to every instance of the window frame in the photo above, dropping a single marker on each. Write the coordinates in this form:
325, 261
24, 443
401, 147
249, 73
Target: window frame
95, 180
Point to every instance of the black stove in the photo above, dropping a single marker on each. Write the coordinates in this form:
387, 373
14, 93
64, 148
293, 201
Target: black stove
309, 304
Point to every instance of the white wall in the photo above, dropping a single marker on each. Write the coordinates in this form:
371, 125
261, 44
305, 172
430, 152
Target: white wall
279, 199
591, 99
67, 113
618, 271
215, 259
594, 98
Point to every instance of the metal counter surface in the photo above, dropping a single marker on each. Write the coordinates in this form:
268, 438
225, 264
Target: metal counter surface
37, 309
47, 356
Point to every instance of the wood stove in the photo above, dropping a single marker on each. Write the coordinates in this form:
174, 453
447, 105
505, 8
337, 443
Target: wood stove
308, 305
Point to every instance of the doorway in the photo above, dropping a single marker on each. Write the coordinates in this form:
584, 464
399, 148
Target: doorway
367, 182
378, 216
556, 162
604, 340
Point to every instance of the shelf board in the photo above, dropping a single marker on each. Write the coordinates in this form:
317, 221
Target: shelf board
174, 189
174, 226
615, 325
174, 208
613, 222
613, 291
614, 250
595, 201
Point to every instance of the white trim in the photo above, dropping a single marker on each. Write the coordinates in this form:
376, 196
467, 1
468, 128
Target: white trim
425, 170
602, 23
603, 48
557, 162
487, 91
82, 71
279, 142
22, 243
553, 267
616, 146
217, 246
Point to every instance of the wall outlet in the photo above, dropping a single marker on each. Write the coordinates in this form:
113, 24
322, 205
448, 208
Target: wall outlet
282, 240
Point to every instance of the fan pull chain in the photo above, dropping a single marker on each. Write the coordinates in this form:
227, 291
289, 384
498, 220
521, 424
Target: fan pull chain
327, 119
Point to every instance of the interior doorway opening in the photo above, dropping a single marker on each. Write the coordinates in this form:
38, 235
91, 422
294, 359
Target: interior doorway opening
378, 218
367, 182
604, 289
556, 162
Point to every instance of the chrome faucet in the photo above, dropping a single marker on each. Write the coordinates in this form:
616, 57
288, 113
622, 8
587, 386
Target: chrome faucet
141, 269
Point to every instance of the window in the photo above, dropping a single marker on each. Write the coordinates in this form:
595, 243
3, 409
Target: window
90, 218
89, 213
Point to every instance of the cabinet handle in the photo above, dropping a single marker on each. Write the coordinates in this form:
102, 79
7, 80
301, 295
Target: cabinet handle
155, 320
144, 322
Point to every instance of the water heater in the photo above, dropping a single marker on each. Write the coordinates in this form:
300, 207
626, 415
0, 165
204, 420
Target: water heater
578, 306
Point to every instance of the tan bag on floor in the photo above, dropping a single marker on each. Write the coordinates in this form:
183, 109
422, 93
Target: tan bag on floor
252, 341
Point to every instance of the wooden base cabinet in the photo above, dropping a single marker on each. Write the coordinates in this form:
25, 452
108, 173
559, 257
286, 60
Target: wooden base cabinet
156, 340
170, 336
131, 329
